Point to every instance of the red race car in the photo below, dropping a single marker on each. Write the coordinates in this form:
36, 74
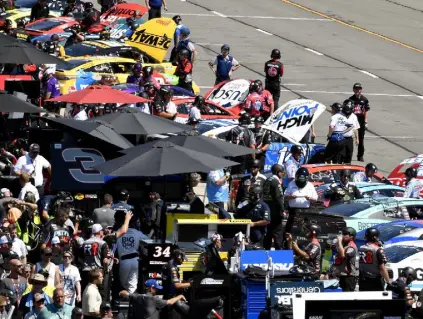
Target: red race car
120, 11
49, 26
397, 176
211, 111
230, 94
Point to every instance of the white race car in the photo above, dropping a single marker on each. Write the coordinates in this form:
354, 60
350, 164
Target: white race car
406, 254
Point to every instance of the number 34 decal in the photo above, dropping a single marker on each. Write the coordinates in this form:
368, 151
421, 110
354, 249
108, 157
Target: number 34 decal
158, 251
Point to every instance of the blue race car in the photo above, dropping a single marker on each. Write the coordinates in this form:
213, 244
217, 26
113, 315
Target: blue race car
369, 212
368, 190
395, 232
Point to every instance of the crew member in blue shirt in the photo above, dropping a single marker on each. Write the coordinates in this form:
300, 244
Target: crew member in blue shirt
155, 8
185, 43
218, 190
122, 204
225, 65
366, 176
176, 36
135, 77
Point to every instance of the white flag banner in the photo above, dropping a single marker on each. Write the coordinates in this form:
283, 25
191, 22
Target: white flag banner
293, 119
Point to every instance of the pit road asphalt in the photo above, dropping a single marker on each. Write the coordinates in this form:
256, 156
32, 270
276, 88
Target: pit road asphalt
326, 47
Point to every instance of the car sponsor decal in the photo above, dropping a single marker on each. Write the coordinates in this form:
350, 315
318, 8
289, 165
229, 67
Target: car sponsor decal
231, 93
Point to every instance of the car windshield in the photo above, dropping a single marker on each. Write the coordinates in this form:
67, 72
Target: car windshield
397, 253
45, 25
81, 49
389, 231
71, 64
346, 210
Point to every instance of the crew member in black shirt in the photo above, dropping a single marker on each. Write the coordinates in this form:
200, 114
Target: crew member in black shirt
361, 110
39, 10
91, 16
274, 71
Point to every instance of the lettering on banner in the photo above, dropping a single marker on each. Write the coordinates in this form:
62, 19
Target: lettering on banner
295, 116
152, 40
283, 295
276, 266
362, 226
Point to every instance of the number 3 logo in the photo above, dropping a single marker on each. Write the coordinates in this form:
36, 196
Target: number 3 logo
160, 252
87, 158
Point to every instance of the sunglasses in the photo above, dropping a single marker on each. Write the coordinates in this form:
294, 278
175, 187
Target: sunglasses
48, 255
67, 257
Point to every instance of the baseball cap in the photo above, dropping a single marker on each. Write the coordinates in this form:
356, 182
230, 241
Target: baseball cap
105, 306
38, 278
152, 283
216, 236
4, 240
96, 228
4, 190
38, 297
46, 251
357, 86
55, 240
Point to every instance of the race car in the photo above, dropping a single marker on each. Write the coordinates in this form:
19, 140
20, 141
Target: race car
21, 15
397, 176
210, 111
114, 48
131, 88
120, 12
230, 94
76, 74
406, 254
327, 173
395, 232
46, 26
368, 212
368, 190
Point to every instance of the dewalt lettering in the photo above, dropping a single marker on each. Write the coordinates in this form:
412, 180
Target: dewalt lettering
152, 40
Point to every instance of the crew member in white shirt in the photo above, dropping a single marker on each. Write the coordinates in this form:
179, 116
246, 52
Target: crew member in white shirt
27, 187
79, 113
33, 164
127, 246
300, 194
335, 148
18, 246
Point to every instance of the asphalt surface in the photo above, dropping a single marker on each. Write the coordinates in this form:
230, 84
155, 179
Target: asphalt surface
326, 46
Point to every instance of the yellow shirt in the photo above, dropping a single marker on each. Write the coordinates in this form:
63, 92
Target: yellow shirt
47, 289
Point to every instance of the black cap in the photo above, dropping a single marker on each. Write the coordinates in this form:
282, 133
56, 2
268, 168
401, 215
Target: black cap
357, 86
47, 251
105, 306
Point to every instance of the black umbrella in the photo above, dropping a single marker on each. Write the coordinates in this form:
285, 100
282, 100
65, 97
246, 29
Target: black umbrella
10, 103
200, 143
164, 158
22, 53
95, 129
142, 124
7, 39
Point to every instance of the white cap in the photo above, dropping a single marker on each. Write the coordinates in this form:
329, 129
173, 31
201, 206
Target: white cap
96, 228
4, 190
4, 240
216, 236
55, 240
50, 71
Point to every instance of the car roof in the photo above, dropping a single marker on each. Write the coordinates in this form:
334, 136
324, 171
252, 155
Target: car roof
376, 186
411, 243
102, 58
416, 232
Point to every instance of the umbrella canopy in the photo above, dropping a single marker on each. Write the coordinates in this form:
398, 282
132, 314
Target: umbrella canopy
200, 143
99, 94
142, 124
22, 53
95, 129
7, 39
164, 158
10, 103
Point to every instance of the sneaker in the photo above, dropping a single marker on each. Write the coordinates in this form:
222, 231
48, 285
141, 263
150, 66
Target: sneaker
360, 159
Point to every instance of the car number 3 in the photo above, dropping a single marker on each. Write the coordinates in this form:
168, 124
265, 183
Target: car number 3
160, 252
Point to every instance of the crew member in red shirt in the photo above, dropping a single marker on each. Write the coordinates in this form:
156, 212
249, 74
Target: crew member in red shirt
184, 71
269, 105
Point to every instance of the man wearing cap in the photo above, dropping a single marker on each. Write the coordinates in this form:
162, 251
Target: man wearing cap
27, 187
106, 310
171, 276
254, 179
39, 304
51, 268
52, 85
148, 306
38, 282
71, 279
212, 260
5, 198
122, 204
95, 253
361, 110
33, 164
225, 65
58, 309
